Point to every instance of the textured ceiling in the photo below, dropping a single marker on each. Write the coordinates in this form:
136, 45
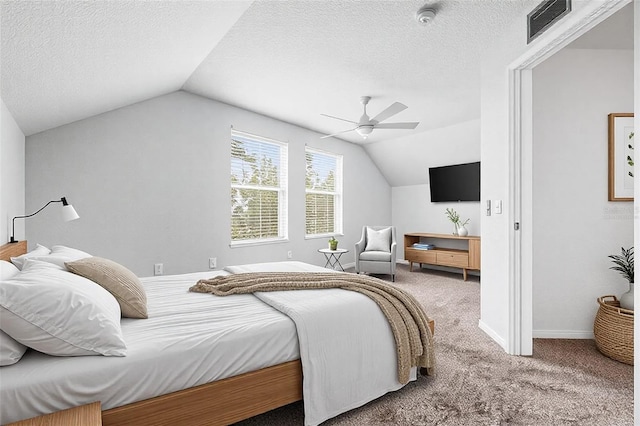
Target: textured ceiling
294, 60
65, 60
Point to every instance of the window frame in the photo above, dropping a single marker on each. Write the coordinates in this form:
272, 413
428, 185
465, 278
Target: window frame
282, 190
338, 194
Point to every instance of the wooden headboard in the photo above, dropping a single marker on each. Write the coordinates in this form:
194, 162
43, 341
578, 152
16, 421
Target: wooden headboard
12, 250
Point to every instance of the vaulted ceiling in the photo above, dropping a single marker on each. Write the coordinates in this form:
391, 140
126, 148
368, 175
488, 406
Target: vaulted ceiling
292, 60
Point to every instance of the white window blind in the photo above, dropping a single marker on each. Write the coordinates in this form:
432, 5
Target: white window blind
323, 196
258, 189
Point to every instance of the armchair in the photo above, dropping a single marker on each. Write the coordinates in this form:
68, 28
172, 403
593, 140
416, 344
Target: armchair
376, 251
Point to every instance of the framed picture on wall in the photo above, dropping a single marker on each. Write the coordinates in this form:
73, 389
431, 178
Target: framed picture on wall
621, 168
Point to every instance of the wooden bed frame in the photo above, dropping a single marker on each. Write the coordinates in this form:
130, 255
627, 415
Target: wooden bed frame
217, 403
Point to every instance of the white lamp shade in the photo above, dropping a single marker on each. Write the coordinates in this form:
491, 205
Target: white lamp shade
69, 213
364, 130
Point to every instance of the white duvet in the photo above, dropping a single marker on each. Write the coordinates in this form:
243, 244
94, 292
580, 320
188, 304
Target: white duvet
347, 348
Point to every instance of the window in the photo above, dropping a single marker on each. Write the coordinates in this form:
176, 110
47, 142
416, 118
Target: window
258, 189
323, 193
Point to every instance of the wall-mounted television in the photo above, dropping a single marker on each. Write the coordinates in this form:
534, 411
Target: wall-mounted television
457, 182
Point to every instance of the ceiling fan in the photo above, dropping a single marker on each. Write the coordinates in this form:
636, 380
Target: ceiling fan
366, 125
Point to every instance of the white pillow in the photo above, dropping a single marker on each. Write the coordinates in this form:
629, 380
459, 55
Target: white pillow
10, 350
7, 270
378, 240
38, 251
61, 254
60, 313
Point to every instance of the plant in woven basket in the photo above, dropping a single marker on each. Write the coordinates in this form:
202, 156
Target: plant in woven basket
623, 263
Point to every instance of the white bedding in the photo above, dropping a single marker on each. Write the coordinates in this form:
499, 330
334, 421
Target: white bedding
165, 352
343, 367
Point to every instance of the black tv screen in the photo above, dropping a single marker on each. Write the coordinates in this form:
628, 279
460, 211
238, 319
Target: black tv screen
458, 182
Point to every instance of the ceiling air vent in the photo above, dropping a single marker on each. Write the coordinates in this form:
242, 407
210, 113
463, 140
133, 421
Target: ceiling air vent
543, 16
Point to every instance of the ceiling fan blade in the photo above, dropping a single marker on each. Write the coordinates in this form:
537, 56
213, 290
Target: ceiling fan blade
392, 110
333, 134
338, 118
411, 125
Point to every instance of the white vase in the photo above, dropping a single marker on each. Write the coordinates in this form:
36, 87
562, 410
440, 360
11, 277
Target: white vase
455, 229
626, 299
462, 231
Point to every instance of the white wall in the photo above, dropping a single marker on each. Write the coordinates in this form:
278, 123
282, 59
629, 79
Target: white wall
575, 227
412, 209
401, 160
406, 160
151, 185
12, 174
496, 147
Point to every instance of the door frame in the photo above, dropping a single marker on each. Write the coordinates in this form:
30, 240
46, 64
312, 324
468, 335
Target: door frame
520, 79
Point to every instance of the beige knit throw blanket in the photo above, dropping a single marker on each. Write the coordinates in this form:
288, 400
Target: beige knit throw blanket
406, 317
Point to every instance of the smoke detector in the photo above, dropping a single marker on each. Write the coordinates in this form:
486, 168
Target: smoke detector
425, 15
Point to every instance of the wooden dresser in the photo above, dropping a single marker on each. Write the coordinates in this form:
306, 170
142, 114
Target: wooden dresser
466, 259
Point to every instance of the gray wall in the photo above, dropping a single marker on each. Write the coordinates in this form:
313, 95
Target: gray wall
413, 210
151, 185
12, 166
575, 227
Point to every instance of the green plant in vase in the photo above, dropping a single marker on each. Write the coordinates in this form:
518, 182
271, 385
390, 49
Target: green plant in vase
458, 225
333, 243
454, 217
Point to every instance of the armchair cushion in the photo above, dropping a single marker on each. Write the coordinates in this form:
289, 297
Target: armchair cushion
379, 240
376, 256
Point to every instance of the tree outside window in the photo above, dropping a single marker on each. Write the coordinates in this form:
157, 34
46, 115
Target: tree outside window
323, 199
258, 189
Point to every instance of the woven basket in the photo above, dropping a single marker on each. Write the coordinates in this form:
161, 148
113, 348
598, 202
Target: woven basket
613, 330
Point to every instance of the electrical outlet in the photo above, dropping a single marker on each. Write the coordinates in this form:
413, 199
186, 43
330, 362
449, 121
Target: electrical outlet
289, 254
158, 269
213, 262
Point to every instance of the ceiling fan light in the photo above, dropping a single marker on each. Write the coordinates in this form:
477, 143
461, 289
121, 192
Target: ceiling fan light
364, 130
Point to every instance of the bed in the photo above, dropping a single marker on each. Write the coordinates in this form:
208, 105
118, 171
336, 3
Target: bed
250, 383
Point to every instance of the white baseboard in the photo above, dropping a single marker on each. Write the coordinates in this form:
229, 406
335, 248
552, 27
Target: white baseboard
562, 334
495, 336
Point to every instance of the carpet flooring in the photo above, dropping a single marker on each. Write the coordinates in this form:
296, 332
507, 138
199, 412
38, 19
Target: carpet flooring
565, 382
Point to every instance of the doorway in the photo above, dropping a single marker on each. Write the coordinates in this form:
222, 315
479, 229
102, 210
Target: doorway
522, 240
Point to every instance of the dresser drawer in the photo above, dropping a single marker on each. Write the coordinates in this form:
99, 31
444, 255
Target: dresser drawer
449, 258
419, 256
